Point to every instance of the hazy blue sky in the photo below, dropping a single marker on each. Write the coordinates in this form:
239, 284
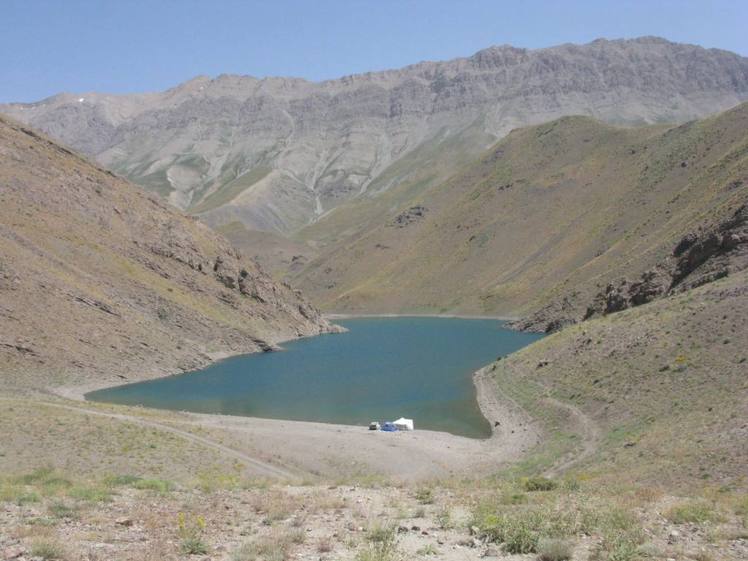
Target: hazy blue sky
48, 46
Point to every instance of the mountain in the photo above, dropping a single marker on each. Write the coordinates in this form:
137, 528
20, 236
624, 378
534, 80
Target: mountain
277, 154
545, 220
102, 283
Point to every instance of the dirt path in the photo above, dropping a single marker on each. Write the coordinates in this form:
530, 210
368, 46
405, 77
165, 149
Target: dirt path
256, 466
585, 427
294, 449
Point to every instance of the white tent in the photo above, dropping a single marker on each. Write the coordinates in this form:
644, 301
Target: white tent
403, 424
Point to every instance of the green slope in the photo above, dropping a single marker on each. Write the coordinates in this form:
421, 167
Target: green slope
655, 395
551, 211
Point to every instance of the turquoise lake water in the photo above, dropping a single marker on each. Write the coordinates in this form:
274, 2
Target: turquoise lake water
381, 369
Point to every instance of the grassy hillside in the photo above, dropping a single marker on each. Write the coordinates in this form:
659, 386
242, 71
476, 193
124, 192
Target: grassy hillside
101, 283
657, 394
552, 211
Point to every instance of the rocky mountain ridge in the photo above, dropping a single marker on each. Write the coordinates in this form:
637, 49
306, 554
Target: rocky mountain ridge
277, 154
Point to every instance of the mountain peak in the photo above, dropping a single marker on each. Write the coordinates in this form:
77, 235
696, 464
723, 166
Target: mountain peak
276, 153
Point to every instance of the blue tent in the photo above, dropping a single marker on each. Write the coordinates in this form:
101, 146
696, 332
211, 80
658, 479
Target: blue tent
389, 427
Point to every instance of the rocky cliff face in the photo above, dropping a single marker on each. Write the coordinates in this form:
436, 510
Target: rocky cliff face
278, 153
702, 256
101, 283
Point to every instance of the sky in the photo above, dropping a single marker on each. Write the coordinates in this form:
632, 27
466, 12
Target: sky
122, 46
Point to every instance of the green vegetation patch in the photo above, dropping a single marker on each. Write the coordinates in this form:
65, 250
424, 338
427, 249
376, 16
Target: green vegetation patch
157, 485
693, 512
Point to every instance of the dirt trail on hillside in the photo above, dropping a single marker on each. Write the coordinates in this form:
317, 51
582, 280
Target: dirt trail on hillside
255, 466
585, 427
294, 449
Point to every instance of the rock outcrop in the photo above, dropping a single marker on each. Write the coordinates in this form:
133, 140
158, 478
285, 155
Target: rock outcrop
700, 257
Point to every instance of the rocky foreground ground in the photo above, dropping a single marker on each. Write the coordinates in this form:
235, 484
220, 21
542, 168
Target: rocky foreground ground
46, 515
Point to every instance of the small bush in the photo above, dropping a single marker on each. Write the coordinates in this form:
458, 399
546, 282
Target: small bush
39, 475
213, 480
90, 494
695, 512
324, 545
427, 550
554, 550
193, 546
539, 484
381, 533
44, 479
121, 480
382, 544
513, 498
519, 532
190, 531
297, 537
158, 485
275, 505
741, 505
572, 484
26, 498
425, 496
47, 550
59, 509
444, 519
276, 547
619, 546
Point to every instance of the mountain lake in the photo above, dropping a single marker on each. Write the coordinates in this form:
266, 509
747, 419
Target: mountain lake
381, 369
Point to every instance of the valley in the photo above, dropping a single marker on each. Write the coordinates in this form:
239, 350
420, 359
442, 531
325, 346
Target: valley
596, 193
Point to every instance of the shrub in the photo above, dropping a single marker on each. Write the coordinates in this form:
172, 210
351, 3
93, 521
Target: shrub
193, 546
47, 549
158, 485
572, 484
275, 505
121, 480
519, 532
39, 475
444, 519
520, 538
45, 479
539, 483
696, 512
425, 496
90, 494
513, 498
427, 550
550, 549
297, 536
213, 480
381, 546
190, 531
26, 497
619, 546
276, 547
59, 509
324, 545
381, 534
741, 505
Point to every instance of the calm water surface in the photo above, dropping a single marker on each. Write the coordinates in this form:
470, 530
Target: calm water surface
382, 369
